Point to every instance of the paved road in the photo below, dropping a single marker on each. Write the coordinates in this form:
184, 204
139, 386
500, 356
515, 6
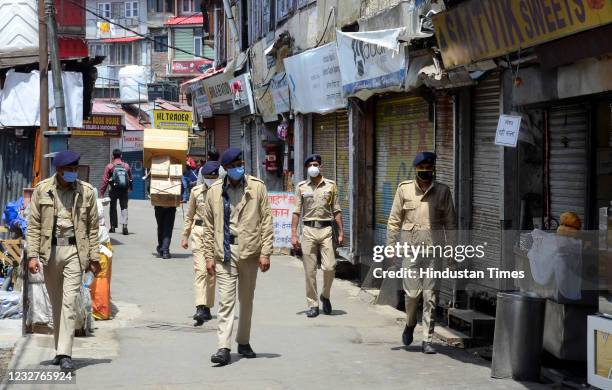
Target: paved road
151, 343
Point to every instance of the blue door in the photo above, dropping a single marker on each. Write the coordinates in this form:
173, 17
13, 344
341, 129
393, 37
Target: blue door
135, 161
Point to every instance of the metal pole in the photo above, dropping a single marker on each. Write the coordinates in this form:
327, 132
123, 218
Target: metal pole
43, 67
232, 22
58, 88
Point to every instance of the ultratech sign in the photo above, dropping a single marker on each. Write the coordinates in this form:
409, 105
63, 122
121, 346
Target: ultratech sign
101, 125
481, 29
172, 120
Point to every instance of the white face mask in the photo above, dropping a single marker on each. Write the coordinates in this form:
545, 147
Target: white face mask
222, 173
313, 171
209, 182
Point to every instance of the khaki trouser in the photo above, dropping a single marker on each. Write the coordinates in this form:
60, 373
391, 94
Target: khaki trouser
63, 278
314, 240
417, 287
244, 273
203, 284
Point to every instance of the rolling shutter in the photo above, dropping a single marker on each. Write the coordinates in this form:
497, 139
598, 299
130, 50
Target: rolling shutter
330, 136
183, 39
486, 180
96, 153
402, 129
445, 142
16, 157
568, 160
221, 133
138, 185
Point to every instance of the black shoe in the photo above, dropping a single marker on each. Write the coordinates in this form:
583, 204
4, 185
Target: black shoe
407, 336
125, 231
166, 255
57, 359
159, 252
312, 312
66, 364
246, 351
327, 308
221, 357
428, 348
202, 314
111, 230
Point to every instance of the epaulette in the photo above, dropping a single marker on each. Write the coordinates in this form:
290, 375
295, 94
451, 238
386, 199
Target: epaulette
405, 182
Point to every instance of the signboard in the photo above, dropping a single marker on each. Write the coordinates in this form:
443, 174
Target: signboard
241, 92
219, 94
282, 204
202, 105
101, 125
481, 29
508, 130
371, 61
172, 120
191, 66
132, 141
315, 72
279, 87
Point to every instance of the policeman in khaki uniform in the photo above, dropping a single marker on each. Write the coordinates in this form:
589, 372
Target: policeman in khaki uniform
63, 236
422, 214
204, 284
316, 199
238, 238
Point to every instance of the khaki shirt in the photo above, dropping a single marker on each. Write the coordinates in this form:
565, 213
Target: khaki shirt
48, 200
195, 209
252, 221
235, 195
317, 203
422, 216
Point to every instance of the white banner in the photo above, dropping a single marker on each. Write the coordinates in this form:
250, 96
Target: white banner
370, 62
131, 141
280, 92
282, 204
312, 73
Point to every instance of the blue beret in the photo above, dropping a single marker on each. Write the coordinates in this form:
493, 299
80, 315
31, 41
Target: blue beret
312, 158
231, 155
65, 158
211, 168
424, 157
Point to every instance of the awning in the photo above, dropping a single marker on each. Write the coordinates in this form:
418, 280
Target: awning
185, 20
120, 40
205, 75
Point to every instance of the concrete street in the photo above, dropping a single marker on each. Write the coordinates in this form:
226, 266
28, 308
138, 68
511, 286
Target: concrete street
151, 343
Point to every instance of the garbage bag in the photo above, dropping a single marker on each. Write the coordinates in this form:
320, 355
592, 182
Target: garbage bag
10, 304
39, 310
83, 317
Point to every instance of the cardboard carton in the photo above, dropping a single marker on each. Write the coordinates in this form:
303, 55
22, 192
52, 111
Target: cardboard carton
166, 186
176, 171
160, 166
165, 201
161, 143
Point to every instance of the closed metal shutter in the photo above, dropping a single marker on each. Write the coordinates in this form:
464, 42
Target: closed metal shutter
138, 185
330, 136
236, 127
402, 129
221, 133
96, 153
16, 157
568, 160
445, 142
183, 39
486, 180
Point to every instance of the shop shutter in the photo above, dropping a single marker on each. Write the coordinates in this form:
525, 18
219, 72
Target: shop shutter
136, 165
486, 181
330, 135
96, 153
183, 39
221, 133
236, 127
568, 160
16, 157
445, 142
402, 129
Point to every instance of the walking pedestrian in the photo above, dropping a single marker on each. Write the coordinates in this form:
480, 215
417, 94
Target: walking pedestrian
422, 214
238, 237
118, 175
210, 156
62, 236
204, 284
316, 200
164, 216
189, 179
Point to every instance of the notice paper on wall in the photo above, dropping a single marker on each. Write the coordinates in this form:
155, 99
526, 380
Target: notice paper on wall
508, 130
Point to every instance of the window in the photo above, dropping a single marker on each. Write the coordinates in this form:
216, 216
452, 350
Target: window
117, 10
169, 6
104, 9
197, 43
97, 49
188, 6
131, 9
156, 6
124, 54
283, 9
161, 43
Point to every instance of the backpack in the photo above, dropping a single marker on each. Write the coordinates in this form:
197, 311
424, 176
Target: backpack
120, 179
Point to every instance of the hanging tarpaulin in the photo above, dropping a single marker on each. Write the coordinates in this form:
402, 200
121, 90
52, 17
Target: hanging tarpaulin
280, 92
370, 62
315, 72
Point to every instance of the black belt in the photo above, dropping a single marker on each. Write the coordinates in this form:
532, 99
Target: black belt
198, 222
317, 224
233, 240
63, 241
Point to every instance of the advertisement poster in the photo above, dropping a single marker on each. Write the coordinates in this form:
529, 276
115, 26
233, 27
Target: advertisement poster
282, 204
315, 72
371, 61
242, 95
172, 120
202, 105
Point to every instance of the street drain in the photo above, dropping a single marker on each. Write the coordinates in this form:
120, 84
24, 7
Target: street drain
178, 328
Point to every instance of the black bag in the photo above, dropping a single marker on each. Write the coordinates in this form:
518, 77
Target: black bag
120, 180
